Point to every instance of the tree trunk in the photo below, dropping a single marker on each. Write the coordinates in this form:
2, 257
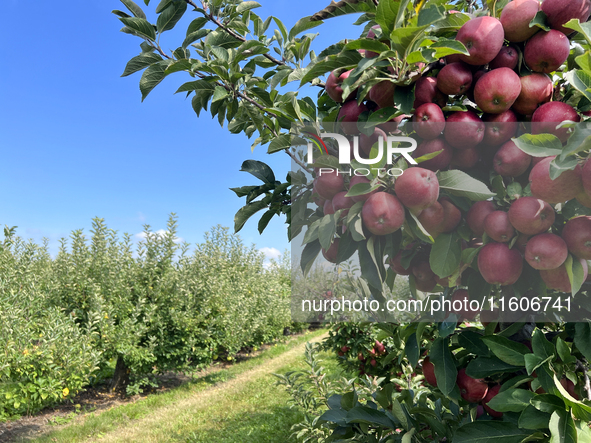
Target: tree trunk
121, 376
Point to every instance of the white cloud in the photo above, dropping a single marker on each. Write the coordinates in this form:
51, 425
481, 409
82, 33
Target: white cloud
270, 253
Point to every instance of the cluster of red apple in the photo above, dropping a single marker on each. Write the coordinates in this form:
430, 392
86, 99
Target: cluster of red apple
366, 360
470, 139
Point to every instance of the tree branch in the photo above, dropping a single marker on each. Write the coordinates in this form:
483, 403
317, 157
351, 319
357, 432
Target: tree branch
587, 387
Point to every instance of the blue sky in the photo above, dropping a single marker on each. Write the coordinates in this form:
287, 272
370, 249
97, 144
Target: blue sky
76, 141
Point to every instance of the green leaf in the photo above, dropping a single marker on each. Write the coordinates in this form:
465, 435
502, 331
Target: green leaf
152, 77
265, 219
198, 85
386, 15
562, 428
547, 403
472, 342
482, 367
361, 189
583, 339
540, 20
460, 184
490, 432
445, 47
446, 372
162, 5
246, 212
533, 362
171, 15
279, 143
403, 38
369, 44
509, 351
583, 28
541, 346
367, 415
418, 229
247, 6
575, 272
302, 25
430, 15
194, 36
140, 62
579, 140
259, 169
412, 350
580, 80
327, 229
309, 254
564, 352
539, 145
134, 8
446, 254
140, 27
532, 418
511, 400
346, 59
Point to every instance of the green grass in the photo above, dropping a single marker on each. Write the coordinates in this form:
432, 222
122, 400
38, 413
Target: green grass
244, 405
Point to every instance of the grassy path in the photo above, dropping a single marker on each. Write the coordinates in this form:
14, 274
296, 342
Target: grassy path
238, 404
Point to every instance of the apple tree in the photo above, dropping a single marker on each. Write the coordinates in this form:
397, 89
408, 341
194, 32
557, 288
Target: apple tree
490, 219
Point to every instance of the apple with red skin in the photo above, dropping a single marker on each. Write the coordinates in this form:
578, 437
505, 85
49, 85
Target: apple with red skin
452, 215
510, 161
516, 17
417, 188
330, 254
327, 184
429, 372
349, 115
483, 37
361, 179
507, 57
328, 208
465, 159
426, 92
546, 251
425, 278
382, 213
565, 187
432, 218
333, 86
477, 214
577, 236
396, 265
454, 79
340, 201
551, 114
366, 142
496, 90
586, 176
345, 349
546, 51
557, 279
498, 227
569, 386
531, 216
584, 199
560, 12
487, 317
464, 129
428, 121
500, 265
536, 89
492, 393
382, 94
500, 128
439, 162
472, 390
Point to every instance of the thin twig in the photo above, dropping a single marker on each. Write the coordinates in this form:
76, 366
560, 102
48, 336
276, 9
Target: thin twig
581, 367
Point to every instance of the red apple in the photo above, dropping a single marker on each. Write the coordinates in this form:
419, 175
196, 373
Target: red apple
339, 201
329, 183
429, 121
516, 17
531, 216
546, 51
492, 393
498, 227
483, 37
417, 188
471, 389
586, 176
328, 208
499, 127
349, 115
396, 265
426, 92
465, 159
360, 179
382, 94
452, 215
425, 278
557, 279
463, 129
441, 161
333, 86
510, 161
560, 12
546, 251
577, 236
565, 187
476, 215
500, 265
429, 372
536, 89
382, 213
432, 218
507, 57
496, 90
464, 313
549, 115
330, 254
454, 79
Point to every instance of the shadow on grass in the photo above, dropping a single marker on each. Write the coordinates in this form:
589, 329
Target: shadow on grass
272, 426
